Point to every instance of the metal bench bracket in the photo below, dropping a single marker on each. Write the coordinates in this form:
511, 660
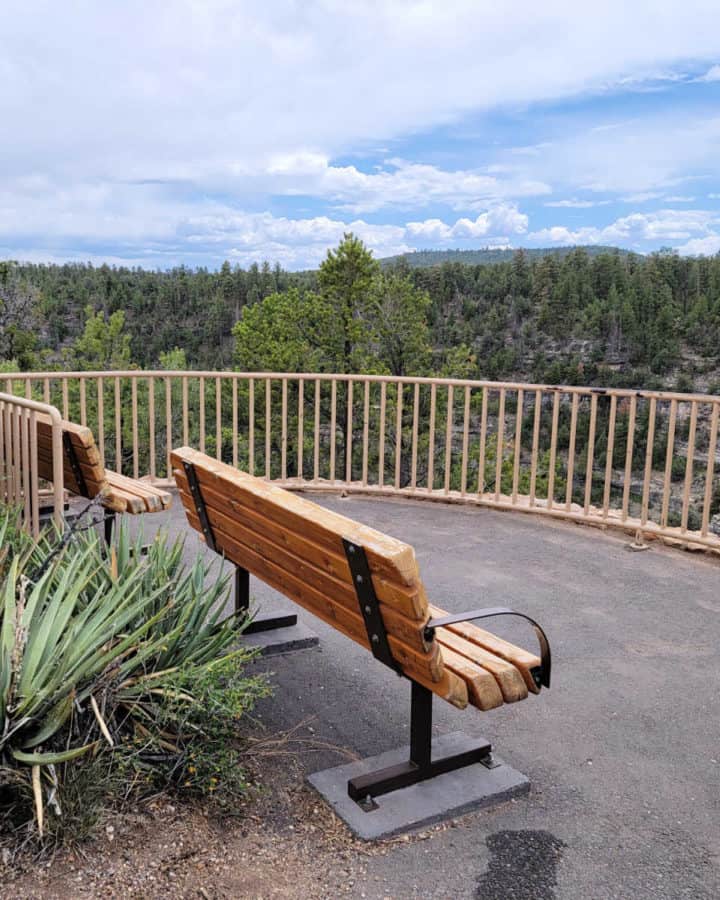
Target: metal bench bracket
369, 604
75, 465
200, 507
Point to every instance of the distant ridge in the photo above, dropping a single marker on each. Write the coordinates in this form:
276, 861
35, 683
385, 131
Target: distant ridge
423, 259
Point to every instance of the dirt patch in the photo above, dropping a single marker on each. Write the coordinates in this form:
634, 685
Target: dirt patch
284, 842
170, 850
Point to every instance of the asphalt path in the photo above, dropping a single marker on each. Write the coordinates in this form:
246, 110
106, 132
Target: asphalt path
623, 752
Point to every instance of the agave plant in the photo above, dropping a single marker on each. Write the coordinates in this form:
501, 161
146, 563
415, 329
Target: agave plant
88, 642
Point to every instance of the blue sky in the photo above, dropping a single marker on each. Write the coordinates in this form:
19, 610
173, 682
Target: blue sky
193, 131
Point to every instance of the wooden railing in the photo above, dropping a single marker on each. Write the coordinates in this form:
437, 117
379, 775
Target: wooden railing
644, 461
19, 482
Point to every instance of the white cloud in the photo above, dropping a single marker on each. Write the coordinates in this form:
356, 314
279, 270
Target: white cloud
147, 228
398, 183
192, 90
560, 234
707, 246
679, 198
712, 74
639, 160
644, 197
504, 220
636, 229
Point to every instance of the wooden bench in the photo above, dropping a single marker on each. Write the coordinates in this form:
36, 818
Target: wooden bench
367, 586
85, 475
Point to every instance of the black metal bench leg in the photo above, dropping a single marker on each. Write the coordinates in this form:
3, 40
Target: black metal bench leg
420, 766
420, 726
242, 607
109, 523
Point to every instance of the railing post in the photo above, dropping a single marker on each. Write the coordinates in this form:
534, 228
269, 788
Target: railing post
590, 454
333, 427
609, 456
381, 435
431, 439
465, 442
709, 471
251, 426
500, 440
301, 428
518, 444
448, 439
483, 441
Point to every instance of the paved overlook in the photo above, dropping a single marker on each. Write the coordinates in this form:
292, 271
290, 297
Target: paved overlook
622, 753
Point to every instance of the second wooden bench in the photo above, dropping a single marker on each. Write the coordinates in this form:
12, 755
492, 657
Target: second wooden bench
85, 475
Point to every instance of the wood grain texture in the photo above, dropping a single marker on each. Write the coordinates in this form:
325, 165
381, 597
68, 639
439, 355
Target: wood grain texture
483, 689
509, 679
332, 562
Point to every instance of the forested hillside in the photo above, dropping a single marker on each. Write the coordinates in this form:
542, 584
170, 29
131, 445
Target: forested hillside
423, 259
609, 317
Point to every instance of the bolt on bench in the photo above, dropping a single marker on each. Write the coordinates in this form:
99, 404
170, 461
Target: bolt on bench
366, 585
85, 476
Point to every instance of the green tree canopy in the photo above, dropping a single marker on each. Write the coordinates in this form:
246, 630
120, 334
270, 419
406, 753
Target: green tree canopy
104, 344
360, 320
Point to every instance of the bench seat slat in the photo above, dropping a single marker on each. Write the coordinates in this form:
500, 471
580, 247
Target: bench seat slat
154, 499
522, 659
226, 530
483, 689
509, 679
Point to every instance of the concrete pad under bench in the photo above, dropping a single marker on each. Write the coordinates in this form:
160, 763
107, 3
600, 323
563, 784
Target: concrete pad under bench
435, 800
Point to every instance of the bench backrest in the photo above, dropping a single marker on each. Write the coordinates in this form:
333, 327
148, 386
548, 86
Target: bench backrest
297, 548
83, 471
86, 476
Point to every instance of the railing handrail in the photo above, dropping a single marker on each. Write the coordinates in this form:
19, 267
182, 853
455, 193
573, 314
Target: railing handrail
586, 390
16, 457
27, 403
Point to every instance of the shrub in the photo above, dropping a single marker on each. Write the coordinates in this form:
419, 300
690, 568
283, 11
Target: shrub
109, 658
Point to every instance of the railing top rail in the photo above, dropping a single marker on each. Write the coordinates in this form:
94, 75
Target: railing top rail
23, 402
388, 379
